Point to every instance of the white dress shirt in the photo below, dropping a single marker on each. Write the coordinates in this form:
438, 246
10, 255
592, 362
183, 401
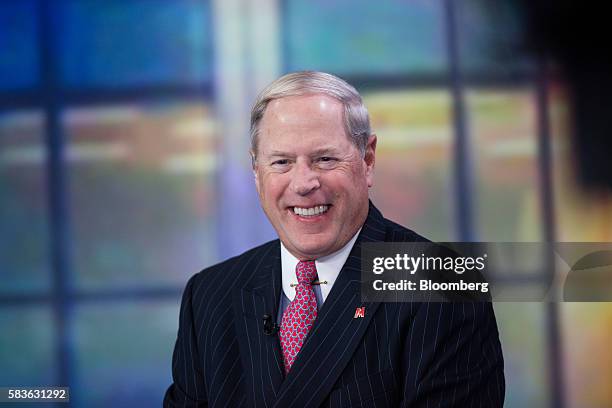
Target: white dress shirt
328, 269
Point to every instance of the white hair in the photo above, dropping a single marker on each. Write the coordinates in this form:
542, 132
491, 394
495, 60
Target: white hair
356, 118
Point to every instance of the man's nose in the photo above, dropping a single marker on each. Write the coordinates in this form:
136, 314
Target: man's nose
304, 179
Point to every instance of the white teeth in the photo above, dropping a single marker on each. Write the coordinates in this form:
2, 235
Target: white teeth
307, 212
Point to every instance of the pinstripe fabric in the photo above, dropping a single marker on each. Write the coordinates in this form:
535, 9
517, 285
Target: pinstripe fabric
399, 354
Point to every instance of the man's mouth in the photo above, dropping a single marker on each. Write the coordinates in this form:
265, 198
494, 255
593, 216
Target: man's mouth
310, 211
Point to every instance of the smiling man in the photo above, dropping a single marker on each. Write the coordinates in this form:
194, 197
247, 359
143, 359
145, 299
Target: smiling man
283, 325
312, 179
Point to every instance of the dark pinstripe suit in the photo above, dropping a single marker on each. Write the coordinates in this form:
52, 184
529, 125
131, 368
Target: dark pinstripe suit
399, 354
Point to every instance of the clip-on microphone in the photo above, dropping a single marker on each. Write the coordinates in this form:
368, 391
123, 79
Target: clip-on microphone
270, 328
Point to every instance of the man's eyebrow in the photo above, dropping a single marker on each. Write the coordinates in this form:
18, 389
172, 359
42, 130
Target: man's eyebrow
276, 153
325, 150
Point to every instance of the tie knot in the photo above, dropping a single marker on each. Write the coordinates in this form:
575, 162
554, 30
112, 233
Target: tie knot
306, 272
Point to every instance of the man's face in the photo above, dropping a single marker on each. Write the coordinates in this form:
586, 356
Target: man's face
311, 179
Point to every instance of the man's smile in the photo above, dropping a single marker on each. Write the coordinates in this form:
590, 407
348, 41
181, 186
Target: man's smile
310, 214
310, 211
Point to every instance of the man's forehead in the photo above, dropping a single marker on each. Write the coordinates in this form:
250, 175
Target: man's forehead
308, 122
282, 144
289, 107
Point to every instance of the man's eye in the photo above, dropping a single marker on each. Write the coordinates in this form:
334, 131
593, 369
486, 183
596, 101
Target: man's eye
281, 162
327, 161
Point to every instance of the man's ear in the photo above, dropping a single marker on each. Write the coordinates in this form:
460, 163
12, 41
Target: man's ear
254, 168
370, 159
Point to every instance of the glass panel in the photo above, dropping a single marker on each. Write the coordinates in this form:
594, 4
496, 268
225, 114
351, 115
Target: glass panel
587, 335
365, 37
124, 353
490, 36
140, 42
26, 347
523, 338
581, 216
19, 64
142, 193
504, 142
24, 234
412, 182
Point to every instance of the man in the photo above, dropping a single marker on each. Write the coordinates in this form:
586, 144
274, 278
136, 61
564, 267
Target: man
283, 325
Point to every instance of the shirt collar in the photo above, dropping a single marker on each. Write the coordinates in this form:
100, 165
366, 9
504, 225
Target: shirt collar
328, 268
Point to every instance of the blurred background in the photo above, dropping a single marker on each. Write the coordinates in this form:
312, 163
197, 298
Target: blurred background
124, 170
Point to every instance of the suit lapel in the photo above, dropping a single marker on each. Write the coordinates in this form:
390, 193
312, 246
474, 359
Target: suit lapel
260, 354
337, 331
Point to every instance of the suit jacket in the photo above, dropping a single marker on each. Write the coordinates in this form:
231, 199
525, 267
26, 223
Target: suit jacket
398, 354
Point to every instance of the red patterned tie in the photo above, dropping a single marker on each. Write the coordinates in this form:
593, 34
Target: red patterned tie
300, 314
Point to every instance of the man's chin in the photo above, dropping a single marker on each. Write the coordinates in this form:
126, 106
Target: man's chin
310, 251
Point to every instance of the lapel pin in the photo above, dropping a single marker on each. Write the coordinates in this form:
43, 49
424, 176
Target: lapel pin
359, 312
